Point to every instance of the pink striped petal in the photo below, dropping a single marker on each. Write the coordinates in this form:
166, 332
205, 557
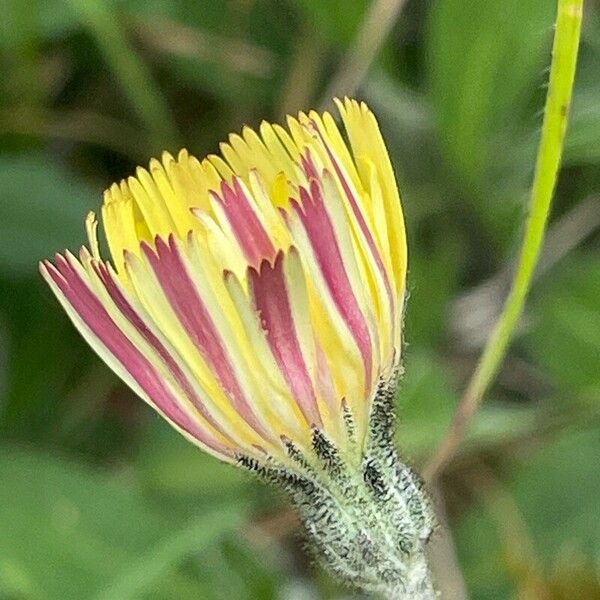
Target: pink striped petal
271, 299
247, 227
308, 165
174, 278
364, 227
320, 231
130, 313
325, 380
93, 313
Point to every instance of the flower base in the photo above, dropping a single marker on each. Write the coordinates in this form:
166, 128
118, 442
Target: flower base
367, 520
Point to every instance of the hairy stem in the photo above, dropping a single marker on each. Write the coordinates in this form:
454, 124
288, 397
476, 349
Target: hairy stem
558, 99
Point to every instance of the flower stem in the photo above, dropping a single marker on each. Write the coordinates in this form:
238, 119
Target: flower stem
558, 99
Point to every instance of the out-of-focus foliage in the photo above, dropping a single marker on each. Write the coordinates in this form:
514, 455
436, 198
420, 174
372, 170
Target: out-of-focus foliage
98, 498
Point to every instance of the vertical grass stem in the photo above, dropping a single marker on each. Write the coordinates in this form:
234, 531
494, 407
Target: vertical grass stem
558, 100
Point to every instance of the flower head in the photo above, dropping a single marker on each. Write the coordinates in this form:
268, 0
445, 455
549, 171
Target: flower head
252, 296
254, 299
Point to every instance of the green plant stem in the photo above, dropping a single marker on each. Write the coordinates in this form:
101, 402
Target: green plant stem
558, 99
198, 534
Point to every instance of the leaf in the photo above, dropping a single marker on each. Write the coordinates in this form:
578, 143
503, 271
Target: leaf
169, 465
337, 20
426, 401
433, 275
582, 141
42, 211
251, 574
556, 492
564, 338
483, 57
68, 531
582, 144
40, 377
195, 536
544, 490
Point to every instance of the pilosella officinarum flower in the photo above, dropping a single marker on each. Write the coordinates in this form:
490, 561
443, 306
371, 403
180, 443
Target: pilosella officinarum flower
255, 301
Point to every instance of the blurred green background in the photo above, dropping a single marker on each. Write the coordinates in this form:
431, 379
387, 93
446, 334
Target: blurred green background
98, 497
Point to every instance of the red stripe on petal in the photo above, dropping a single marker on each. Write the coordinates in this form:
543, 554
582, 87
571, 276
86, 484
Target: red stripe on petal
308, 164
361, 221
271, 300
249, 231
321, 234
325, 380
174, 278
131, 314
93, 313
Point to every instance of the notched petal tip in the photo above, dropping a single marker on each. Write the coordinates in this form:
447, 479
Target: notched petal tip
60, 260
167, 158
56, 273
271, 264
85, 255
227, 191
155, 165
164, 246
147, 249
44, 267
293, 252
198, 211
